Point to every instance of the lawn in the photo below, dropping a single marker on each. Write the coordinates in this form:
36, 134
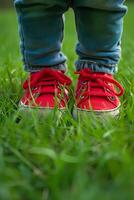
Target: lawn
48, 159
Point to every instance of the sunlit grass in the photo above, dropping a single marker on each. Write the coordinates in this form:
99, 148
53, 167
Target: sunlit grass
67, 159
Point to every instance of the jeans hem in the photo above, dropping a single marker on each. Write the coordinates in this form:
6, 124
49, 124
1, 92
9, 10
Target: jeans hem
29, 68
96, 66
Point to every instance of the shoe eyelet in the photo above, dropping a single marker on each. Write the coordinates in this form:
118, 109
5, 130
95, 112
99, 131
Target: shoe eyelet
109, 84
84, 82
112, 98
60, 95
34, 88
82, 97
82, 89
108, 90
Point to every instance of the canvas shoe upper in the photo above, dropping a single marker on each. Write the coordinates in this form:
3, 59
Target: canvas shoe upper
97, 92
47, 88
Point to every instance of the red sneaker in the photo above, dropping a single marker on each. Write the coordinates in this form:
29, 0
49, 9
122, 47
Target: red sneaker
46, 89
96, 92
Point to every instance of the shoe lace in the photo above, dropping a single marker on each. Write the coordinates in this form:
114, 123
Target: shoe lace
91, 80
47, 81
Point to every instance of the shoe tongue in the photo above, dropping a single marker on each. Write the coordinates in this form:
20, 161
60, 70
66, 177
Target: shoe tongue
103, 74
55, 74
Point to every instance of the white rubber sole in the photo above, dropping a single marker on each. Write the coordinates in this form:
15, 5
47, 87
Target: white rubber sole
80, 113
43, 112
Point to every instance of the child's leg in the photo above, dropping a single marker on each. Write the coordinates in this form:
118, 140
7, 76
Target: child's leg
41, 31
99, 26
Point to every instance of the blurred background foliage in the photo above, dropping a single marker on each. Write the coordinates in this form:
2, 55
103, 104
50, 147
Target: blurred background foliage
6, 3
9, 3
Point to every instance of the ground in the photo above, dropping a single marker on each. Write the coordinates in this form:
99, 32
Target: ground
49, 159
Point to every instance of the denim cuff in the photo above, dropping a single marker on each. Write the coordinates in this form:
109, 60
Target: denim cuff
28, 68
96, 66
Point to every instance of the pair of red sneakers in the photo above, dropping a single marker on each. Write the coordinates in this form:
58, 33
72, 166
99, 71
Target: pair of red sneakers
50, 88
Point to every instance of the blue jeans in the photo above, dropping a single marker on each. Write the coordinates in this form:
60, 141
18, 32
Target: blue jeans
99, 25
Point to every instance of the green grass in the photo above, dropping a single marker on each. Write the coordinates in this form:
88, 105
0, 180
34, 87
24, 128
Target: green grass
42, 160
